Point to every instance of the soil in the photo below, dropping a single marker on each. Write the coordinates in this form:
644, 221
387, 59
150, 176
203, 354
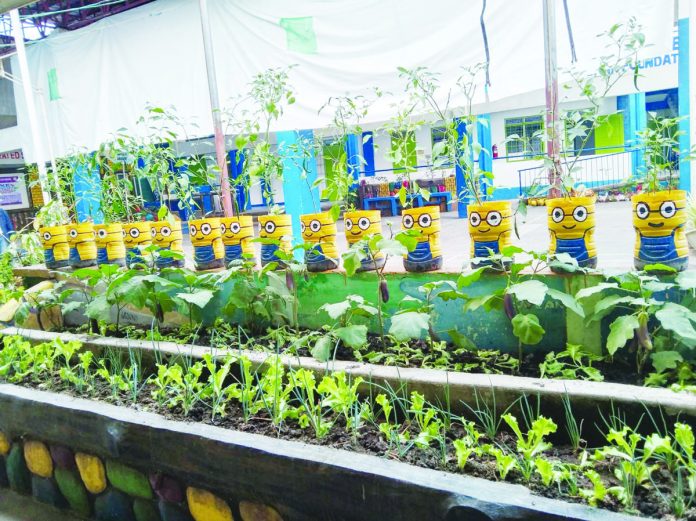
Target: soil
369, 440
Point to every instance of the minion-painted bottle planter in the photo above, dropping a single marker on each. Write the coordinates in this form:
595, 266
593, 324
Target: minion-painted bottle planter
427, 255
659, 219
167, 236
490, 229
55, 246
571, 227
83, 248
136, 236
110, 246
278, 227
359, 225
206, 238
319, 230
237, 234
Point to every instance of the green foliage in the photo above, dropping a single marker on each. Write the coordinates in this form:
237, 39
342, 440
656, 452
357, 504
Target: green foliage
571, 364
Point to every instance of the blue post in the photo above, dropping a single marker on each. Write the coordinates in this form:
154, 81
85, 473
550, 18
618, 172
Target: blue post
87, 186
462, 194
368, 148
635, 119
353, 157
298, 176
485, 159
684, 127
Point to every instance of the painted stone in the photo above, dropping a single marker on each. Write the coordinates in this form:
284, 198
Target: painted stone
128, 480
38, 458
62, 457
205, 506
17, 472
3, 474
145, 510
73, 490
166, 487
4, 444
173, 512
92, 472
258, 512
46, 491
113, 506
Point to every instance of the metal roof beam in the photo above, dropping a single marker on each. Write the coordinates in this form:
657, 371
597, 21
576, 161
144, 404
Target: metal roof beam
8, 5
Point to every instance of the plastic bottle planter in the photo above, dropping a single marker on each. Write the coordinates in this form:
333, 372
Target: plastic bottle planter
136, 236
319, 230
237, 233
278, 227
427, 255
167, 236
359, 225
571, 226
660, 220
490, 229
110, 247
83, 249
55, 245
206, 238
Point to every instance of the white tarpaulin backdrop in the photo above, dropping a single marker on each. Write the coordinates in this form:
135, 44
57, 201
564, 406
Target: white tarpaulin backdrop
107, 72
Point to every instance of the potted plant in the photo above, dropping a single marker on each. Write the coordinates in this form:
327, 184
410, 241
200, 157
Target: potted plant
206, 238
269, 93
167, 235
54, 235
659, 212
237, 235
319, 230
341, 183
457, 150
571, 217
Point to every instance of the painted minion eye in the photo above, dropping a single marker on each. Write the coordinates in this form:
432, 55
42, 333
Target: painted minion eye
73, 233
134, 232
223, 227
425, 220
192, 230
235, 227
642, 210
363, 223
474, 219
580, 213
494, 218
153, 231
206, 229
302, 227
270, 227
166, 231
557, 215
407, 221
101, 234
46, 236
668, 209
349, 224
315, 226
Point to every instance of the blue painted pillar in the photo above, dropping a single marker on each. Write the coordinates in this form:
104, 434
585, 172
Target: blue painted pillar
236, 169
635, 119
463, 196
684, 108
485, 159
87, 187
353, 157
368, 148
299, 195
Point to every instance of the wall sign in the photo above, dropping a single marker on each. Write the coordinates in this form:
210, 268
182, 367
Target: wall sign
13, 191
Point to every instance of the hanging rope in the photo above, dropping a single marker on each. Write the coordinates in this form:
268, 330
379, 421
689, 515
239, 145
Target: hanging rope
573, 57
485, 44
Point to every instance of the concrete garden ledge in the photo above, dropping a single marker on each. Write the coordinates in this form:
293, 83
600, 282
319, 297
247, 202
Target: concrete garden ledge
587, 398
295, 481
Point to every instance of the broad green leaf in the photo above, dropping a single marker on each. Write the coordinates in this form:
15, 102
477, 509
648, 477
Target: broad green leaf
687, 279
322, 349
412, 324
532, 291
199, 299
351, 262
99, 308
527, 328
337, 310
607, 305
679, 320
620, 332
665, 360
392, 247
567, 300
468, 278
588, 292
461, 340
354, 336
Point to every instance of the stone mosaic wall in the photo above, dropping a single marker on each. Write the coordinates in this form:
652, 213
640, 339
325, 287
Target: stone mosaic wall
107, 490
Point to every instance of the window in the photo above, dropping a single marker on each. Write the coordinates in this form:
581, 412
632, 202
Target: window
403, 148
331, 153
8, 110
528, 140
607, 137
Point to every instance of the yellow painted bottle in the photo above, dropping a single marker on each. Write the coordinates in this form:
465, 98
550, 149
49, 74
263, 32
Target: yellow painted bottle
571, 222
206, 238
136, 237
167, 236
54, 240
490, 230
359, 225
237, 234
427, 255
278, 229
83, 248
319, 230
110, 246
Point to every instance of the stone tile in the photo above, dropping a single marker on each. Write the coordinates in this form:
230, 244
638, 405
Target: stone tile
92, 472
145, 510
166, 487
17, 472
73, 490
38, 458
113, 505
63, 457
205, 506
46, 491
128, 480
251, 511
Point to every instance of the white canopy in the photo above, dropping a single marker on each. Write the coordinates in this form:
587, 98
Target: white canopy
107, 72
